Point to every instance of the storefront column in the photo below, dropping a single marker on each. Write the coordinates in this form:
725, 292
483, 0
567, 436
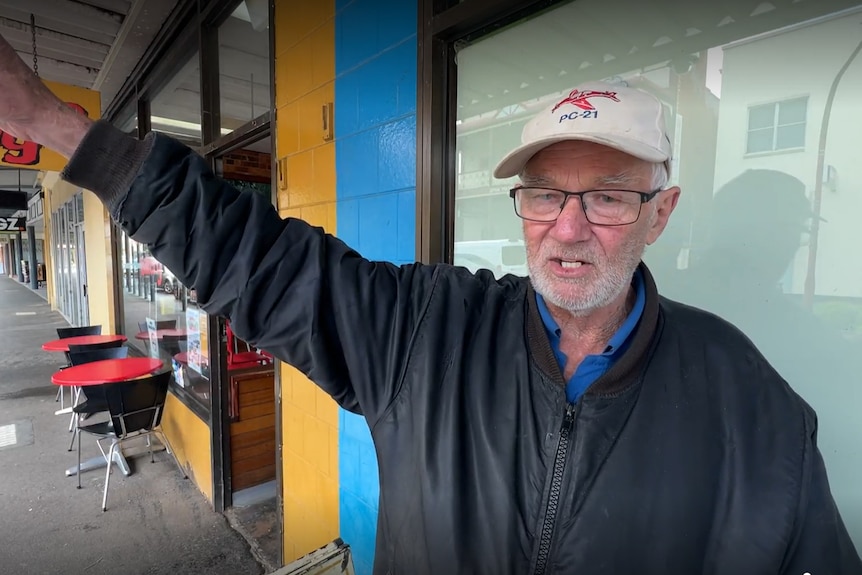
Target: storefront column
19, 256
31, 240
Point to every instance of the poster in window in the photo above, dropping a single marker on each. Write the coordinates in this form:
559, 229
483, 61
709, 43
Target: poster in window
194, 339
153, 337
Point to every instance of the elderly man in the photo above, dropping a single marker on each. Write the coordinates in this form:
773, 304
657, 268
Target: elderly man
575, 422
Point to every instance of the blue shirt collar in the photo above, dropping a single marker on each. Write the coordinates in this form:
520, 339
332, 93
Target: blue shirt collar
619, 340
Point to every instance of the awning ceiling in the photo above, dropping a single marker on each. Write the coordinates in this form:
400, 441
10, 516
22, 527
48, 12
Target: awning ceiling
592, 39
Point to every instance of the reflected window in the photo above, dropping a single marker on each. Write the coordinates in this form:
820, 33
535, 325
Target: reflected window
765, 240
777, 126
244, 69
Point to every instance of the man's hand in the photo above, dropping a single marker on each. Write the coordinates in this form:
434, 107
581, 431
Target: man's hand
30, 111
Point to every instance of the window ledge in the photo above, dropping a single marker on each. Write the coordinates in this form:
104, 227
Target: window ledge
781, 152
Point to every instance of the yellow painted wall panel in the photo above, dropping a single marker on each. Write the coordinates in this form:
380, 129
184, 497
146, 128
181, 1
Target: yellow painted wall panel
286, 27
300, 178
100, 280
304, 83
318, 215
310, 506
299, 78
324, 178
190, 439
333, 445
324, 412
311, 114
287, 129
293, 438
322, 54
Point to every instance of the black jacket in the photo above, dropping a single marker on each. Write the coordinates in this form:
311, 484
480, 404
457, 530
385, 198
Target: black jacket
690, 456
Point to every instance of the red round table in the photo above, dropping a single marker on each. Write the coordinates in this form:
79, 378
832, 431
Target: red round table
63, 344
106, 371
182, 357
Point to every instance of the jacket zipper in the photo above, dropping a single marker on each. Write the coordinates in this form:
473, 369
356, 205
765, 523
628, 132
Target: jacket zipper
547, 534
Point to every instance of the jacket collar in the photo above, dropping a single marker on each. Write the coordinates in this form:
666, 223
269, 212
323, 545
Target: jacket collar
624, 372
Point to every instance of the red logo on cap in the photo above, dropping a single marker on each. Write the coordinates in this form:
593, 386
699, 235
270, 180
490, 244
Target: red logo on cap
582, 99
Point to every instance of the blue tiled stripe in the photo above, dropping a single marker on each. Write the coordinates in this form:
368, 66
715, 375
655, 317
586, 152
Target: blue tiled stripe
375, 158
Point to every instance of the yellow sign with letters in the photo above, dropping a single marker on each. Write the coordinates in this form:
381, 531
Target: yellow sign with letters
16, 153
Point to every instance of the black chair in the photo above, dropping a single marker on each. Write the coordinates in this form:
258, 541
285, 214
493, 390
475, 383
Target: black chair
95, 346
67, 332
172, 344
136, 408
80, 354
93, 398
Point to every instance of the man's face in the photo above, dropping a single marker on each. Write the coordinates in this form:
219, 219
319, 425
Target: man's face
576, 265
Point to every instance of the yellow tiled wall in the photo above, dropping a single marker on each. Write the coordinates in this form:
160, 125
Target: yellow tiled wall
304, 85
100, 269
189, 437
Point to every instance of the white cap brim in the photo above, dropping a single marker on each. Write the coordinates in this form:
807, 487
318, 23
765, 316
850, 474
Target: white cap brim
514, 162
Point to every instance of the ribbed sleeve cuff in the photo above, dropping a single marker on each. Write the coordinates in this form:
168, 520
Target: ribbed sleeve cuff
106, 162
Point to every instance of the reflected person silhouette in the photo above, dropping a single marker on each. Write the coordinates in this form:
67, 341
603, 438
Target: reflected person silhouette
760, 221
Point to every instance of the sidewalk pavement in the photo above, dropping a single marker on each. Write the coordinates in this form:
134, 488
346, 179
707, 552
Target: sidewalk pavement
156, 523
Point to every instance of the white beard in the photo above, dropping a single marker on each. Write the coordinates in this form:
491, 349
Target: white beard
609, 277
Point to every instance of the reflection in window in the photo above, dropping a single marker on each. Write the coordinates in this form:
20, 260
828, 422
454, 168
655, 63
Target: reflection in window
765, 240
162, 319
176, 108
244, 86
777, 126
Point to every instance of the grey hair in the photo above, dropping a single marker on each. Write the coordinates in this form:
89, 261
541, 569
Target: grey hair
659, 179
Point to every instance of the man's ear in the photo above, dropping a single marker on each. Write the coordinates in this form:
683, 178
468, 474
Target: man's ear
665, 203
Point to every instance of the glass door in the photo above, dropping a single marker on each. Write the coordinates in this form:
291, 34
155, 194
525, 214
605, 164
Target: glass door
83, 311
249, 455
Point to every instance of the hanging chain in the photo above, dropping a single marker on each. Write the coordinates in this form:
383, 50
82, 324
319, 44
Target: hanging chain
33, 34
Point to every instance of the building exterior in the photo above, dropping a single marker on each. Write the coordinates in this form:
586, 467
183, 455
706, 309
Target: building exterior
381, 120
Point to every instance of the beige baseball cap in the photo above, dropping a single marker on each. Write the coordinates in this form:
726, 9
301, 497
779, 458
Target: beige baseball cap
626, 119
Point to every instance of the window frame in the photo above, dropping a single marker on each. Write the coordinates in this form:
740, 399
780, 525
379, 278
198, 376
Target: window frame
774, 127
444, 25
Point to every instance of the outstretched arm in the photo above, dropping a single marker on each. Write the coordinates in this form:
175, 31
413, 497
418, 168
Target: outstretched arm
288, 287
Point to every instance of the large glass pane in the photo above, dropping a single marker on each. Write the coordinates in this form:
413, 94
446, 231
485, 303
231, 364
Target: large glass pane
176, 107
792, 111
761, 117
741, 242
244, 87
760, 141
161, 317
792, 136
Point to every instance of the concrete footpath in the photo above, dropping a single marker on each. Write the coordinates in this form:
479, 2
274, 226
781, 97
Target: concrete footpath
156, 523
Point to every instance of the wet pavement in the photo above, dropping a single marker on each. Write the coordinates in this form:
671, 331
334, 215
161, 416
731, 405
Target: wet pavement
156, 523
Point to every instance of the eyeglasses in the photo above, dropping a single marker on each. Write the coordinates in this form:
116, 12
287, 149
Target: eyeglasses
602, 207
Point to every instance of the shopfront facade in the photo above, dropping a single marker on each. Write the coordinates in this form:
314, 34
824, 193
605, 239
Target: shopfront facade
382, 120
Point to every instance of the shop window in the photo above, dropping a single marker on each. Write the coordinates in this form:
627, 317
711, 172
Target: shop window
162, 319
175, 109
244, 70
777, 126
740, 242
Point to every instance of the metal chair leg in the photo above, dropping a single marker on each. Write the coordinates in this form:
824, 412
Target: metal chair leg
75, 395
114, 445
79, 460
74, 435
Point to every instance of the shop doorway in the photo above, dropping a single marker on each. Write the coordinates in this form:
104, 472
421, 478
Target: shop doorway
249, 438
